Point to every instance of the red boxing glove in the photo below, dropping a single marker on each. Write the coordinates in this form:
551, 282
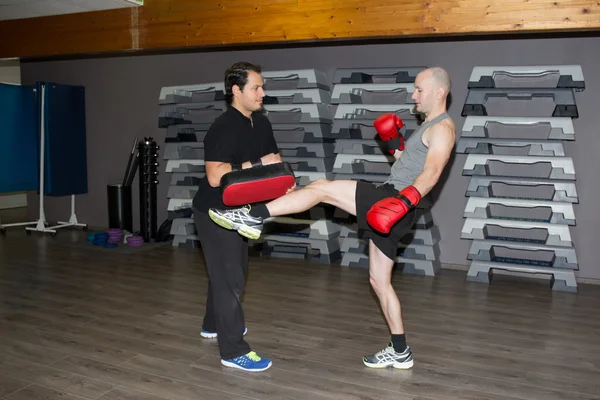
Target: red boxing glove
385, 213
387, 127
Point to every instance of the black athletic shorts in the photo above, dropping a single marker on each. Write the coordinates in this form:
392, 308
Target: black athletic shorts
368, 194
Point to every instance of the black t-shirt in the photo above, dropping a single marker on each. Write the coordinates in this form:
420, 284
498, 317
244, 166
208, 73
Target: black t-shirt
233, 139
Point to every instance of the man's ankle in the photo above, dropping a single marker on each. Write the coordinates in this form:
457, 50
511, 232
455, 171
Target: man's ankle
260, 211
399, 342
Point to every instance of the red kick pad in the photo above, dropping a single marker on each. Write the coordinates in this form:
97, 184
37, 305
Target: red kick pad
256, 184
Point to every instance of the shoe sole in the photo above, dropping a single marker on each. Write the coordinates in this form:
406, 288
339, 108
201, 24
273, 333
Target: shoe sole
406, 365
244, 230
214, 335
233, 365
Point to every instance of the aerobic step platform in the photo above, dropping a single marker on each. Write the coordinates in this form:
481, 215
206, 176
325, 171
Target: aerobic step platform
409, 266
302, 133
316, 250
516, 102
200, 93
372, 93
302, 228
306, 149
554, 76
298, 113
364, 129
295, 79
363, 164
374, 111
183, 227
377, 75
360, 146
185, 166
521, 210
522, 188
186, 133
523, 253
182, 151
186, 241
519, 231
562, 280
412, 250
182, 192
519, 147
297, 96
186, 178
190, 113
522, 128
519, 166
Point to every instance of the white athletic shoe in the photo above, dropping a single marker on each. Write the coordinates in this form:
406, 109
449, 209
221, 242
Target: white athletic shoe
238, 219
389, 357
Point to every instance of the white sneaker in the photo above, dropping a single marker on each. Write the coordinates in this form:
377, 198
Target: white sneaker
238, 219
389, 357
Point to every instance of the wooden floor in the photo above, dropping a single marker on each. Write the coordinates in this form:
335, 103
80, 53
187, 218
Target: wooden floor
80, 322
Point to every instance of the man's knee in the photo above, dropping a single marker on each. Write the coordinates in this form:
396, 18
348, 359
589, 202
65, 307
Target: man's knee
380, 282
375, 283
319, 183
321, 186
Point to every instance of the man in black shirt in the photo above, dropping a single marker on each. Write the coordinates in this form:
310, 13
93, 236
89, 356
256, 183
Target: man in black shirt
239, 138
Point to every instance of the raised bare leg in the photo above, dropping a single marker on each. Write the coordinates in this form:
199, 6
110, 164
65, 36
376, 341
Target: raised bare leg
249, 223
340, 194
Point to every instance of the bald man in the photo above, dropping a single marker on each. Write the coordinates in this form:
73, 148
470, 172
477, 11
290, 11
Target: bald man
385, 212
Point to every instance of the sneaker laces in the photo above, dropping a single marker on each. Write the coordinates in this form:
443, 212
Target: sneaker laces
253, 356
240, 213
387, 350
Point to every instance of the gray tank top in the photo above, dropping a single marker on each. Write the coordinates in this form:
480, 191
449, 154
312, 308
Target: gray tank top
410, 164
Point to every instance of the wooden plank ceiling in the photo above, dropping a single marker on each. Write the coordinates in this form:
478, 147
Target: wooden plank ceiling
177, 24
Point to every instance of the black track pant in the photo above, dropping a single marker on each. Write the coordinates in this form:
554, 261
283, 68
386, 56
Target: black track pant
226, 255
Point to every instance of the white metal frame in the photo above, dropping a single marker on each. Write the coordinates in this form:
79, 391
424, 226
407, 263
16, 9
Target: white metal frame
41, 223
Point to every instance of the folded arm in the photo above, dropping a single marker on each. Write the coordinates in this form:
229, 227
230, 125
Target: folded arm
216, 169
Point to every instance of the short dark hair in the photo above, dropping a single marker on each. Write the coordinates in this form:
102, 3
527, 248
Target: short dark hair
237, 74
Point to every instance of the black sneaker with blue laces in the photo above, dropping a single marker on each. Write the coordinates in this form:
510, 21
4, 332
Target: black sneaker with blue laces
238, 219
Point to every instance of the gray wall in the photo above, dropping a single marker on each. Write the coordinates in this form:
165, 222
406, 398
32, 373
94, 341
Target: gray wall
122, 95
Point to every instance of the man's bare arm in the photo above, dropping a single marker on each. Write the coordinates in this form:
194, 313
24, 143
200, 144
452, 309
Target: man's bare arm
215, 169
441, 141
